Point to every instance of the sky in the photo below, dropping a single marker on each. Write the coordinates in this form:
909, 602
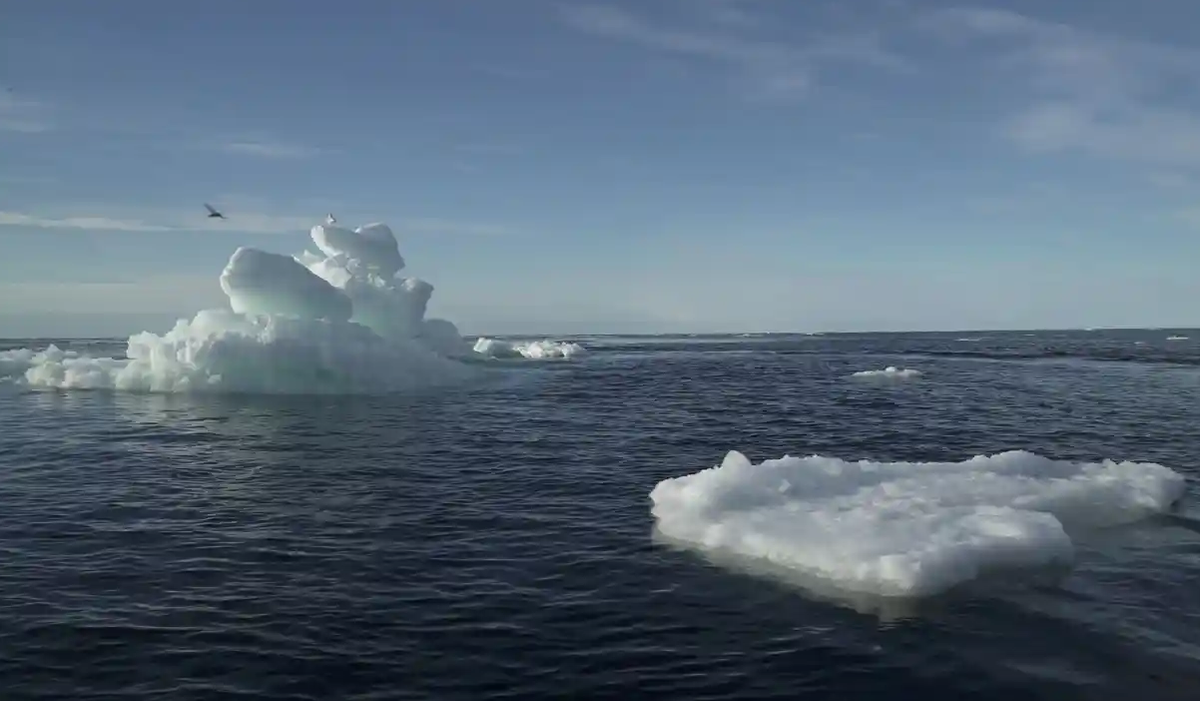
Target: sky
638, 166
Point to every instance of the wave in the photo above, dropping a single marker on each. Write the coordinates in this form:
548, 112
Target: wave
1131, 347
1139, 354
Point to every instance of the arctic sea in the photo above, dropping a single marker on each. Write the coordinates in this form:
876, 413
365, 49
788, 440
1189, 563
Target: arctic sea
496, 537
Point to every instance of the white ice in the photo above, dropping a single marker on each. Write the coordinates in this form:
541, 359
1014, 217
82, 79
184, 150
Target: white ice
257, 282
363, 265
890, 372
372, 247
540, 350
339, 321
221, 350
906, 529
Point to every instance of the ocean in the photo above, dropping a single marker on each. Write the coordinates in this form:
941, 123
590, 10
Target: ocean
495, 538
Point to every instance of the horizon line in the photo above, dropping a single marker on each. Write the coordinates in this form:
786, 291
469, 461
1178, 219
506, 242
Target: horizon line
663, 334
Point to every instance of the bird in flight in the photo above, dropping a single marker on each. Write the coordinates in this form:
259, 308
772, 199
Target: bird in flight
212, 213
329, 219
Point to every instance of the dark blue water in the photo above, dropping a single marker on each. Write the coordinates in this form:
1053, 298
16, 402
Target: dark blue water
495, 541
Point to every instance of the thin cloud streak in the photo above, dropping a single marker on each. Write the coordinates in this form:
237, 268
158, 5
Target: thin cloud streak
12, 219
149, 294
268, 149
22, 115
443, 226
236, 222
252, 223
781, 68
1088, 92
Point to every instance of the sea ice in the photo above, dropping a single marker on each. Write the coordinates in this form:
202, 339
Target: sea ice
340, 321
906, 528
890, 371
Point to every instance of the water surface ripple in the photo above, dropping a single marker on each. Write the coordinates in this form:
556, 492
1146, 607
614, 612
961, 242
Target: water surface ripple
495, 541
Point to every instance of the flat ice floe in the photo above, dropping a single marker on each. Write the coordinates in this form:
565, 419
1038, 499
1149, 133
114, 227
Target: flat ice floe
906, 529
890, 372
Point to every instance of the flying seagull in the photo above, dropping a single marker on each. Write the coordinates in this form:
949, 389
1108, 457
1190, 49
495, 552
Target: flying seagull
212, 213
329, 219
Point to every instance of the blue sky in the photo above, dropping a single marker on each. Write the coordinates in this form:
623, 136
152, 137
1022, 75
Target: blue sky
659, 165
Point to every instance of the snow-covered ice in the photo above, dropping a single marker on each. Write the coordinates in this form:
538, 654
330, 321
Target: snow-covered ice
906, 528
341, 320
890, 372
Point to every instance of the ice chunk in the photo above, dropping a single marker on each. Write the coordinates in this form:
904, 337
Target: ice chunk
902, 528
223, 351
443, 336
371, 247
342, 322
361, 265
544, 349
258, 282
890, 371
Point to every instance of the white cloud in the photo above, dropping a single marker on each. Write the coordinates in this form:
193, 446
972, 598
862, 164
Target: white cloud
1132, 133
83, 222
31, 116
997, 204
1190, 216
238, 220
23, 115
161, 294
1059, 58
1087, 92
778, 68
730, 13
1173, 181
21, 179
509, 73
469, 154
162, 221
269, 149
490, 148
1027, 197
445, 226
